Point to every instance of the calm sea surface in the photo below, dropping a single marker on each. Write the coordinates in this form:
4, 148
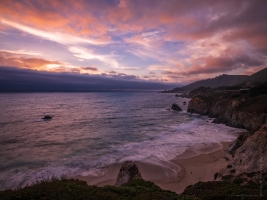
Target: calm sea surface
91, 131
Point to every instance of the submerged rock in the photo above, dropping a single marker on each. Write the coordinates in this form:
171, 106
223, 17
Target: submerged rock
128, 171
176, 107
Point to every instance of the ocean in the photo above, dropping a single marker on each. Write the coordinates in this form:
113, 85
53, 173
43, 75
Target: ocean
92, 131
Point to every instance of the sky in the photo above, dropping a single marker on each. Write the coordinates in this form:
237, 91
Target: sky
170, 42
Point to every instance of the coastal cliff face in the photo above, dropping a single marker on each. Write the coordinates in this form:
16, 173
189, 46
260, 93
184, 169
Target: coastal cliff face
227, 111
247, 111
250, 157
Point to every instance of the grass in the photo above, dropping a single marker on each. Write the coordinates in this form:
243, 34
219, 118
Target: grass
75, 189
230, 188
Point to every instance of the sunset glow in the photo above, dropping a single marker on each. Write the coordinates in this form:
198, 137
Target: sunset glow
164, 41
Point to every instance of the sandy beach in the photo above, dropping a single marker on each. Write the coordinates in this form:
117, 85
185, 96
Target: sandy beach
186, 169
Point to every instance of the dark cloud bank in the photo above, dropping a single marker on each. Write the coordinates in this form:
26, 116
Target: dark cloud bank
24, 80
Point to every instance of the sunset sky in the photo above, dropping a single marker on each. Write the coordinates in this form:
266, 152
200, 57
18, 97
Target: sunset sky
170, 41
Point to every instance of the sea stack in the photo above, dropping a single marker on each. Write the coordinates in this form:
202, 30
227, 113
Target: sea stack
176, 107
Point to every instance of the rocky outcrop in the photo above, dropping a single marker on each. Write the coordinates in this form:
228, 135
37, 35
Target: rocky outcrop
250, 157
238, 143
198, 105
227, 111
128, 171
249, 150
176, 107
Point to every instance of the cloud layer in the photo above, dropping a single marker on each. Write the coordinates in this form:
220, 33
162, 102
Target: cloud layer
17, 79
177, 41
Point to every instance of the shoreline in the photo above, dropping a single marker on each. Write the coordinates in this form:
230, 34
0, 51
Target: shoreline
185, 169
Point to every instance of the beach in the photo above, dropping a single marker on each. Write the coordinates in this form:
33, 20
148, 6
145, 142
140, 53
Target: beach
192, 168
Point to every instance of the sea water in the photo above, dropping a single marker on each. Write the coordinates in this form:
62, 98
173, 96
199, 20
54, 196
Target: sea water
92, 131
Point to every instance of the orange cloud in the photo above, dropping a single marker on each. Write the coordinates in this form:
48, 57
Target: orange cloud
7, 59
15, 59
72, 17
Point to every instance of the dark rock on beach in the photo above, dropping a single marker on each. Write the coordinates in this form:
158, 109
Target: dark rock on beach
47, 117
128, 171
176, 107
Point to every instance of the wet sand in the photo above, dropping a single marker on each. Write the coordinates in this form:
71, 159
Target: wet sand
198, 163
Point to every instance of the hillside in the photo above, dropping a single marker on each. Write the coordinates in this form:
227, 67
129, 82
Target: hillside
222, 80
225, 80
260, 76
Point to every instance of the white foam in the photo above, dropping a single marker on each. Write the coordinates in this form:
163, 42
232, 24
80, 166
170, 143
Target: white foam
94, 172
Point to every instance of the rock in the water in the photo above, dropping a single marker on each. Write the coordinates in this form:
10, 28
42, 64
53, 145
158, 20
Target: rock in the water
176, 107
128, 171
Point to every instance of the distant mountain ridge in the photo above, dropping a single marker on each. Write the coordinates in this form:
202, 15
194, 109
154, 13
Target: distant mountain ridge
260, 76
224, 80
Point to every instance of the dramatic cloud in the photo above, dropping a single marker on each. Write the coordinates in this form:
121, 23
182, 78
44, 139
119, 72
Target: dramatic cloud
178, 41
60, 37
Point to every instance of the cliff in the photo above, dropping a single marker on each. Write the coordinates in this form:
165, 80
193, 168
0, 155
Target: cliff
241, 110
250, 157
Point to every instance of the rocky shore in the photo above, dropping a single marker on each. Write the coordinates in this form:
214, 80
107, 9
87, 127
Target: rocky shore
242, 110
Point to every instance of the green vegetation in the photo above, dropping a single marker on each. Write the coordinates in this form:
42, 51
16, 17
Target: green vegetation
75, 189
230, 188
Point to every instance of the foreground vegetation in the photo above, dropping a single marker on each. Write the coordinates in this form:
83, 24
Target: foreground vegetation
228, 189
75, 189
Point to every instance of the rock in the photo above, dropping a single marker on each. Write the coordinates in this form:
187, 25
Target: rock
47, 117
219, 120
235, 104
216, 175
128, 171
198, 105
226, 158
176, 107
237, 143
226, 111
250, 157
